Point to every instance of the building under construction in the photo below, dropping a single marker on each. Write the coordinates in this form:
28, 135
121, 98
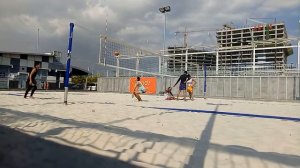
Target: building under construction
194, 58
264, 46
253, 47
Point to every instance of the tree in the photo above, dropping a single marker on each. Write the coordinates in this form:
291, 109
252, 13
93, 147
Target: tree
92, 79
78, 79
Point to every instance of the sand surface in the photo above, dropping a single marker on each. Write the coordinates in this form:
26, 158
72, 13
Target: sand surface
117, 131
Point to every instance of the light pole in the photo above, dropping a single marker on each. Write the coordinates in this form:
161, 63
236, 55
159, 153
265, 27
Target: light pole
299, 54
164, 10
299, 50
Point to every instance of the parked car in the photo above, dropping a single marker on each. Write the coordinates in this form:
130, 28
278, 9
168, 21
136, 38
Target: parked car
92, 87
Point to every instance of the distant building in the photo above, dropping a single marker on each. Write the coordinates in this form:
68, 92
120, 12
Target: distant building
15, 67
195, 57
236, 46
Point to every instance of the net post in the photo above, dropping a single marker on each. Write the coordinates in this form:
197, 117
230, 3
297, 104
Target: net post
66, 82
118, 67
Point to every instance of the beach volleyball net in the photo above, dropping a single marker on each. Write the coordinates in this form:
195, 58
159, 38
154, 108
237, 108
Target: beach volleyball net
125, 60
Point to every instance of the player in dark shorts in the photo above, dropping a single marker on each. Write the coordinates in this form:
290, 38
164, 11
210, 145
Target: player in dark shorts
182, 86
31, 82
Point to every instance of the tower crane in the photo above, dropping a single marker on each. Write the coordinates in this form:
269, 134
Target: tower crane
185, 33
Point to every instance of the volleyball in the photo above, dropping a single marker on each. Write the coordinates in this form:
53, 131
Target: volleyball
116, 53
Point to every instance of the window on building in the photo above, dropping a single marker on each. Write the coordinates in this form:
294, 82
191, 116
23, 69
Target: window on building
29, 69
15, 65
45, 59
43, 72
23, 56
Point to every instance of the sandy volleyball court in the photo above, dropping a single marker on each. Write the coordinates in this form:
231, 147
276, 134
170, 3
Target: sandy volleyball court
116, 131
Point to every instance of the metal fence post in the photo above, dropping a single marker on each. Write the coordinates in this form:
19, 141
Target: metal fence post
217, 86
223, 86
230, 87
268, 90
198, 78
260, 87
245, 86
237, 86
251, 87
210, 86
286, 89
277, 87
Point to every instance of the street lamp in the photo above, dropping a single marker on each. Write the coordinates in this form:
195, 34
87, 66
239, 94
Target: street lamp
164, 10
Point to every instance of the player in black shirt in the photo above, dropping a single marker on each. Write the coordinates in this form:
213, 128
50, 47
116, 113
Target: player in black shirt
31, 82
182, 87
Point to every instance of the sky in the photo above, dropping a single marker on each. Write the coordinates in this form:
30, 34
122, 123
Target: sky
136, 22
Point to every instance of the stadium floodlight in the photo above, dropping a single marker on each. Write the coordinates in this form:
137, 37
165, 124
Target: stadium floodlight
164, 10
167, 8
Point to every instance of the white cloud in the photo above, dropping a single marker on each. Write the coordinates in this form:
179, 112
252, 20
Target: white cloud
59, 27
277, 5
137, 30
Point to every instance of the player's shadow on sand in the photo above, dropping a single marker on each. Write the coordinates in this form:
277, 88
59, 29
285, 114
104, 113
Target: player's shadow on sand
22, 150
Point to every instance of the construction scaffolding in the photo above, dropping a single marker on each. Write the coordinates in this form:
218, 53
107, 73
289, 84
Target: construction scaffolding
183, 56
255, 46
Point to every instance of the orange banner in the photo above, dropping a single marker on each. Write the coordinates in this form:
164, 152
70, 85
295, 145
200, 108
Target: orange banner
148, 82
